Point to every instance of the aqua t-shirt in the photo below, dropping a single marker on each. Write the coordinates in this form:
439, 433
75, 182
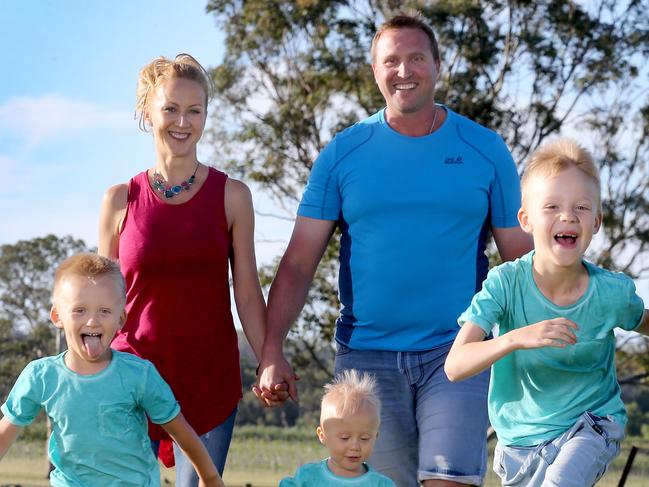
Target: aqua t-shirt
535, 395
99, 422
414, 214
318, 475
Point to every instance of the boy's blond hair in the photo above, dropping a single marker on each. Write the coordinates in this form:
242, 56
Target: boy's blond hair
91, 266
554, 157
348, 393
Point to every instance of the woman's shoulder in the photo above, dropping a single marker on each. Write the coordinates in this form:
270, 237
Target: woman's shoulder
116, 197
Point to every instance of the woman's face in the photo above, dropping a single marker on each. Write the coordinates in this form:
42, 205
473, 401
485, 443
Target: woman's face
177, 116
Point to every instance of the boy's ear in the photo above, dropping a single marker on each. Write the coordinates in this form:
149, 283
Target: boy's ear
598, 221
122, 319
54, 316
524, 221
321, 436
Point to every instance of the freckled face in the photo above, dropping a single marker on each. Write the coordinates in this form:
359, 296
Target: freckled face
405, 70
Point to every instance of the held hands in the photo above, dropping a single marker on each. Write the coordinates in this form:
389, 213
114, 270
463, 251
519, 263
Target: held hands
557, 332
276, 382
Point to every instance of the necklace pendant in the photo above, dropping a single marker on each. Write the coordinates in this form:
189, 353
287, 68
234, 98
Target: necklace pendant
161, 186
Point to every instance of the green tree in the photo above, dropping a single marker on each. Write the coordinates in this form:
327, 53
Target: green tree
295, 72
26, 275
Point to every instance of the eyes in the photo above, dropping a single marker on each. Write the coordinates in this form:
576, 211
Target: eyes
395, 61
80, 311
362, 438
173, 109
553, 206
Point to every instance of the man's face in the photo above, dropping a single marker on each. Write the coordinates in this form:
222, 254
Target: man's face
405, 70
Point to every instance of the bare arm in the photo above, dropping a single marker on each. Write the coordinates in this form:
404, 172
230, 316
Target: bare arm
471, 353
644, 324
247, 292
287, 296
8, 434
189, 442
512, 242
113, 209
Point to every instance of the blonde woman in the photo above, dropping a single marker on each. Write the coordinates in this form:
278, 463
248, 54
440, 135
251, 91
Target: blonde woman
176, 228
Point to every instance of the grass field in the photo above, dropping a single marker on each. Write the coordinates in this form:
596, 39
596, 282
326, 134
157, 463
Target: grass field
261, 456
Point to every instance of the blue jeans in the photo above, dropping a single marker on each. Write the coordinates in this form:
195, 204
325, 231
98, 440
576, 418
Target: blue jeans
217, 443
577, 458
431, 428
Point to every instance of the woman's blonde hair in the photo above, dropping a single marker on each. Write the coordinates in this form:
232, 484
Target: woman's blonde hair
161, 69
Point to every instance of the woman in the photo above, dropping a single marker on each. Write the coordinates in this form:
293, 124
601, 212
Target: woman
175, 227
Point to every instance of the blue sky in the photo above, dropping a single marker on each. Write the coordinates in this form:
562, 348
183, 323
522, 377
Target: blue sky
67, 97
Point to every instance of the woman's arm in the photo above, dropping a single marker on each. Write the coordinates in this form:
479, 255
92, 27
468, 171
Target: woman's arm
112, 213
471, 353
189, 442
245, 280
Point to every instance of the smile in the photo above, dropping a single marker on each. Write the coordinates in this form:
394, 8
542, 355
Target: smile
566, 238
405, 86
179, 135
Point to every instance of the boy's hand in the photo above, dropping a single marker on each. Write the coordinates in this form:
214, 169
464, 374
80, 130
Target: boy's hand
557, 332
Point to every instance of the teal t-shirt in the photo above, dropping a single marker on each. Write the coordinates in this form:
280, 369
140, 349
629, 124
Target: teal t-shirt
318, 475
535, 395
99, 422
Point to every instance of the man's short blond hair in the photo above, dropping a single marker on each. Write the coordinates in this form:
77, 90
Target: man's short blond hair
350, 392
551, 158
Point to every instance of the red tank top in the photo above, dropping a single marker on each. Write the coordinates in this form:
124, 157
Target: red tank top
175, 262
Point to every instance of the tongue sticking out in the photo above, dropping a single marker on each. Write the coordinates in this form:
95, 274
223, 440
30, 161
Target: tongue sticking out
93, 345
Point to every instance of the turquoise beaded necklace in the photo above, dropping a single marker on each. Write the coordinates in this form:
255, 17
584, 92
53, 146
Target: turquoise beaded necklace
168, 191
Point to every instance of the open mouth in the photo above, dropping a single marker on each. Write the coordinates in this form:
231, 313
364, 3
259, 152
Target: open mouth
179, 135
566, 239
92, 344
405, 86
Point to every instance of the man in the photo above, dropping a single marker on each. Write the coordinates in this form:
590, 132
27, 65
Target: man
415, 189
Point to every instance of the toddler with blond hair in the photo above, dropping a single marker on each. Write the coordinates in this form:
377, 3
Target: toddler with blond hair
349, 426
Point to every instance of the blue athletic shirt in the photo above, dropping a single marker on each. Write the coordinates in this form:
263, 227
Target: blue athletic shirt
414, 214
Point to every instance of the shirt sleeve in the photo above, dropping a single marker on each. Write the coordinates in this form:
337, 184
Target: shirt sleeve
505, 196
321, 198
25, 399
487, 307
288, 482
157, 399
632, 307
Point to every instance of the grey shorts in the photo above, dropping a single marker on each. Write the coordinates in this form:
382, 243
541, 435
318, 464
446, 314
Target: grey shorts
577, 458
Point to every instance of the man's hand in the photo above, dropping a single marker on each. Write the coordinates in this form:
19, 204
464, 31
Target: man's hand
276, 382
557, 332
212, 482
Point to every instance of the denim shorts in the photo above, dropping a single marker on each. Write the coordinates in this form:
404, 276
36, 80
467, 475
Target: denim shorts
431, 428
577, 458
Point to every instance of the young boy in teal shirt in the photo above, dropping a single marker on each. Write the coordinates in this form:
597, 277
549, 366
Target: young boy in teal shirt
98, 399
349, 425
554, 399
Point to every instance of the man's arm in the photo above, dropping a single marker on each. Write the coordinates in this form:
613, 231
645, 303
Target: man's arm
512, 242
8, 434
187, 439
287, 296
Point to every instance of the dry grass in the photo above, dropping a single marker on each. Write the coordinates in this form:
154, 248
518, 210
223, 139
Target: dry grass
261, 463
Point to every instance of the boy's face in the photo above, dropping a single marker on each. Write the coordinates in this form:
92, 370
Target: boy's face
350, 441
562, 213
90, 311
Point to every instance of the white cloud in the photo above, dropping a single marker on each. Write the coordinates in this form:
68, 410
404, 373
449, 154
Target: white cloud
34, 121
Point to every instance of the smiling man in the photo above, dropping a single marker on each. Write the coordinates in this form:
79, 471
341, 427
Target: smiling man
415, 190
